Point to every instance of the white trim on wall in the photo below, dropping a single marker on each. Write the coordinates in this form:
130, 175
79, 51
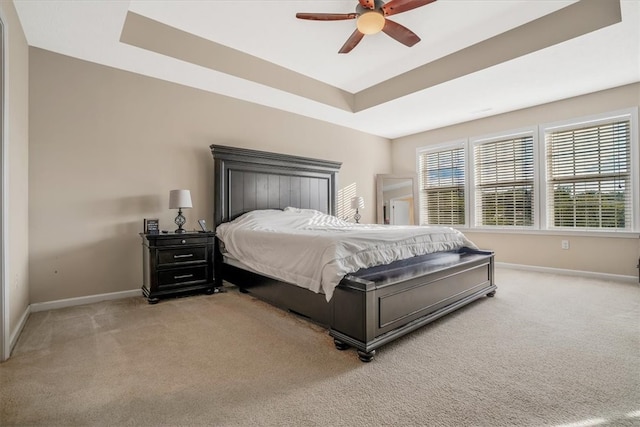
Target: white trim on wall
5, 341
13, 340
72, 302
567, 272
635, 171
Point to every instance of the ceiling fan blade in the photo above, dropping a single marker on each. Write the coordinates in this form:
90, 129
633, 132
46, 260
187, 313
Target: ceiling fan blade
400, 33
399, 6
351, 42
368, 4
326, 16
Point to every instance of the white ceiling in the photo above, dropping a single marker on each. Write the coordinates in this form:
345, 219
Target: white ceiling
268, 29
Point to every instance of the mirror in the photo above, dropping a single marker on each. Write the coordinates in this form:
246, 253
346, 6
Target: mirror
397, 199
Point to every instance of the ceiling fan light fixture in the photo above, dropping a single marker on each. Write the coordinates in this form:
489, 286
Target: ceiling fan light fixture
370, 22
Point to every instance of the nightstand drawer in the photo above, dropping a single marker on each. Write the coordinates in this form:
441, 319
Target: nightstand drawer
182, 241
179, 255
177, 276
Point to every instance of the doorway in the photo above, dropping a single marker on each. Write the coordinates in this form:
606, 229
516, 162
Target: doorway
400, 212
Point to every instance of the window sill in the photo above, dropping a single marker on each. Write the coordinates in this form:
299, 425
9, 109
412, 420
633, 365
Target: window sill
579, 233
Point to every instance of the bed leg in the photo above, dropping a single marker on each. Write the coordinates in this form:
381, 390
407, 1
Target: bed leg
340, 345
366, 356
491, 294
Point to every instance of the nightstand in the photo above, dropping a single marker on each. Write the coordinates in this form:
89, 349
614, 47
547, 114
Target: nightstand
177, 264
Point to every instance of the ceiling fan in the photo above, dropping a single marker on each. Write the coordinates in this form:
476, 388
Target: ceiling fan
371, 18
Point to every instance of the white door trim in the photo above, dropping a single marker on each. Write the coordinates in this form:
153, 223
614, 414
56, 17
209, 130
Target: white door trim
5, 345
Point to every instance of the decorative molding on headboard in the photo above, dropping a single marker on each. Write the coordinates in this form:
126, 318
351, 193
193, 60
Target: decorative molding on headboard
275, 159
250, 179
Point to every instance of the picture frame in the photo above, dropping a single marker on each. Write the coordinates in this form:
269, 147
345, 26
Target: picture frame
151, 226
203, 225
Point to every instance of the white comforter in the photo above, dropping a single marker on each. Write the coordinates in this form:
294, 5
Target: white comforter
315, 251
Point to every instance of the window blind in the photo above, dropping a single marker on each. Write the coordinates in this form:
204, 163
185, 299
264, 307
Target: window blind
589, 176
504, 176
442, 189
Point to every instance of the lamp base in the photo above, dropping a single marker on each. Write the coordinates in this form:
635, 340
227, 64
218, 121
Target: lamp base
180, 220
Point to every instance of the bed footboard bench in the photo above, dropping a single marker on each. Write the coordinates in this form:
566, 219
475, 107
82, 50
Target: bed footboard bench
375, 306
414, 293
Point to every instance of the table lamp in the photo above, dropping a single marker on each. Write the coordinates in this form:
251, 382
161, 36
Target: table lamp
357, 203
180, 199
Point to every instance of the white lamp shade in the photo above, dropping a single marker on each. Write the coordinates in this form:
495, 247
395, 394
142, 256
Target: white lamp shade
357, 202
180, 199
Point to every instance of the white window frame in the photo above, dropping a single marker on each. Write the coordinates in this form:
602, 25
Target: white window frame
540, 212
512, 134
451, 145
594, 120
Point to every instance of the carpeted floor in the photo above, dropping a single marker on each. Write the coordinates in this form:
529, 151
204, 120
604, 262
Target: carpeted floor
548, 350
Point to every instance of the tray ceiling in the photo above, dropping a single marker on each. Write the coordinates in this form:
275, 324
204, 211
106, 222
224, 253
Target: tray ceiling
476, 58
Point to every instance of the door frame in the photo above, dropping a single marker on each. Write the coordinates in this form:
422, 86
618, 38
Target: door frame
5, 345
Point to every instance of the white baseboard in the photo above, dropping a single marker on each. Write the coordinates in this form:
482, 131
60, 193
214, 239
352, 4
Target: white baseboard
19, 327
591, 274
70, 302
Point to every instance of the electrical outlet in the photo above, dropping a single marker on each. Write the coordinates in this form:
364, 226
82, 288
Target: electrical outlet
565, 244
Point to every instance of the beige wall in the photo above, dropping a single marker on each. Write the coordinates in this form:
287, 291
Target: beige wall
595, 254
592, 254
17, 140
106, 146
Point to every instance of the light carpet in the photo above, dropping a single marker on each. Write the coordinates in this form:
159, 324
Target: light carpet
548, 350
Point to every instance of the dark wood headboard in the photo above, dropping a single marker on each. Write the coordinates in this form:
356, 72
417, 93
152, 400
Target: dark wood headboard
247, 180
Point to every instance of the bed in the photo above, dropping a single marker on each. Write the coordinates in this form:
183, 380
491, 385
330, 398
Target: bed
369, 308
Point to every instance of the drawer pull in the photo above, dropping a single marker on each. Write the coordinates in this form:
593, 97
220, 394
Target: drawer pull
184, 276
183, 256
183, 242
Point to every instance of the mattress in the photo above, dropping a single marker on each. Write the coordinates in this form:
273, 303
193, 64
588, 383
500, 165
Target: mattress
315, 251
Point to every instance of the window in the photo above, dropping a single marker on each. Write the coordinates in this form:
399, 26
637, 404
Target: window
580, 175
589, 175
442, 185
504, 181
